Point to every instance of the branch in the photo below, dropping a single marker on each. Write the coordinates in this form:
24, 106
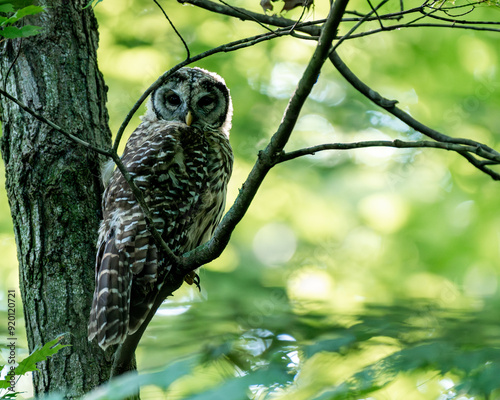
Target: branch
246, 15
481, 150
459, 148
186, 47
390, 106
41, 118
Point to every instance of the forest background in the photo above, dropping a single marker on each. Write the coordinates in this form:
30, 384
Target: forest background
345, 257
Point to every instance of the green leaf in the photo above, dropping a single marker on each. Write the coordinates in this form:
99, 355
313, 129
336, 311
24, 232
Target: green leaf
330, 345
4, 384
237, 388
10, 21
91, 3
40, 354
30, 10
30, 30
13, 32
6, 8
128, 384
10, 395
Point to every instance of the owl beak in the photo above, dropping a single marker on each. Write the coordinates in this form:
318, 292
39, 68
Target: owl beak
189, 118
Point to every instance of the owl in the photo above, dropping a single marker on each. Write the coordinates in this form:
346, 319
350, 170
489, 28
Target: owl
181, 159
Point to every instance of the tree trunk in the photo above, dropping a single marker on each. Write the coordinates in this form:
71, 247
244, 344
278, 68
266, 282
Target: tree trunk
54, 186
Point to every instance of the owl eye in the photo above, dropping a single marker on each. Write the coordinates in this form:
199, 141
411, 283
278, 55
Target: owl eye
173, 99
206, 101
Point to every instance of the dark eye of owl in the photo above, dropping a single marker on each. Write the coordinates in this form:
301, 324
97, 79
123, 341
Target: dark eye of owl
173, 99
206, 101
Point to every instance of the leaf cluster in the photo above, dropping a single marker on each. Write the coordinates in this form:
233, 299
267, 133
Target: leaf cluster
11, 14
314, 357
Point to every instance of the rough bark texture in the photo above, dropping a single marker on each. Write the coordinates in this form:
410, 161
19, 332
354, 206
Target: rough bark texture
54, 187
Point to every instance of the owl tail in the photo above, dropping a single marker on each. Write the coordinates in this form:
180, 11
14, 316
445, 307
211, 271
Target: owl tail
109, 315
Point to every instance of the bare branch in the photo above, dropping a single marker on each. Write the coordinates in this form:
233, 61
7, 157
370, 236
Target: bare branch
41, 118
459, 148
188, 53
247, 15
360, 22
390, 106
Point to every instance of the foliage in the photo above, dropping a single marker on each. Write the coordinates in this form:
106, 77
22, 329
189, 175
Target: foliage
7, 28
382, 347
29, 364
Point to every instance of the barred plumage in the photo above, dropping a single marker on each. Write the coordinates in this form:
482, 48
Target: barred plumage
180, 158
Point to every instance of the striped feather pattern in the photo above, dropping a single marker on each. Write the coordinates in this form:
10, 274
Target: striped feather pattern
183, 173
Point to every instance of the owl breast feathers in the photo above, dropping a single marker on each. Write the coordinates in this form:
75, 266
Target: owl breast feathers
180, 158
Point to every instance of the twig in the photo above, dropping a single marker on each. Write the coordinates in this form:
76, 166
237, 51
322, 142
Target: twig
41, 118
188, 54
459, 148
358, 24
247, 15
423, 25
374, 10
460, 21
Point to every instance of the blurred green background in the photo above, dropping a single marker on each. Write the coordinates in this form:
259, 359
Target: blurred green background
344, 258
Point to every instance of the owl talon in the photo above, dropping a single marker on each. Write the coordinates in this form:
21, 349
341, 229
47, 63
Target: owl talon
197, 282
193, 278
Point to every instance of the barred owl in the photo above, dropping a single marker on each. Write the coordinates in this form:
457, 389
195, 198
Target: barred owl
180, 157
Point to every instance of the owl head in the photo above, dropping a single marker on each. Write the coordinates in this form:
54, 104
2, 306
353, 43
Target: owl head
195, 97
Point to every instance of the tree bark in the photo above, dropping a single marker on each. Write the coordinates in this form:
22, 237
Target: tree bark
54, 186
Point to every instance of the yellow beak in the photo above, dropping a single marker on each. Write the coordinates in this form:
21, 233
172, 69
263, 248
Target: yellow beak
189, 118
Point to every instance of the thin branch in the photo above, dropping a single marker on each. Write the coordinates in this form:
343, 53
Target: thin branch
313, 30
242, 11
423, 25
41, 118
246, 15
390, 106
459, 148
374, 10
358, 24
188, 53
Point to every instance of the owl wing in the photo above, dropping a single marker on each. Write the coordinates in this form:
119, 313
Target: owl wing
128, 264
